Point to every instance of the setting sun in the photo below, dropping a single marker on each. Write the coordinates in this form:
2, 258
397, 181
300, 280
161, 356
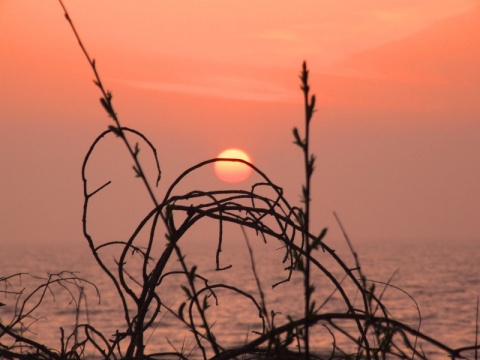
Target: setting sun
230, 171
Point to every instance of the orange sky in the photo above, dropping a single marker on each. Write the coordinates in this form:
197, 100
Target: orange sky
397, 133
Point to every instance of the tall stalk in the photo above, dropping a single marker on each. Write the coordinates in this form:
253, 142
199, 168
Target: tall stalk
304, 215
137, 344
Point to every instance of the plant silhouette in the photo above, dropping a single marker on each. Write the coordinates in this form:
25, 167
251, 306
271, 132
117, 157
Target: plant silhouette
139, 270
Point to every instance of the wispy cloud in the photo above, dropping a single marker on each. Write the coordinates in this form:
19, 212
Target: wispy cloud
225, 87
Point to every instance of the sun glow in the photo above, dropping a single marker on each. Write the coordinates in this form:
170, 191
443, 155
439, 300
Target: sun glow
230, 171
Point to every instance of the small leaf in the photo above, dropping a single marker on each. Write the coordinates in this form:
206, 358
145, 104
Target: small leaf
318, 240
180, 310
298, 141
138, 172
106, 105
311, 108
136, 150
187, 291
191, 275
304, 77
322, 234
312, 103
305, 194
300, 217
205, 305
310, 166
311, 311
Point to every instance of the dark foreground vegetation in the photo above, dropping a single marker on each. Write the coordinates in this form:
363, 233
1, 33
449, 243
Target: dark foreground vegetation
140, 269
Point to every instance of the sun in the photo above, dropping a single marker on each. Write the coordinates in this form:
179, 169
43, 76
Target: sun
233, 172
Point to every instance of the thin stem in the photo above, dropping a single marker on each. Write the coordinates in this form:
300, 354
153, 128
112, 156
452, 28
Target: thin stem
106, 101
143, 303
306, 199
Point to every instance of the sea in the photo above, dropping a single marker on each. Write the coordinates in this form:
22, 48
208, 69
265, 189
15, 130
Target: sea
430, 286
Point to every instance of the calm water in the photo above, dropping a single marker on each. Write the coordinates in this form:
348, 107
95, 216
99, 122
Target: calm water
443, 279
